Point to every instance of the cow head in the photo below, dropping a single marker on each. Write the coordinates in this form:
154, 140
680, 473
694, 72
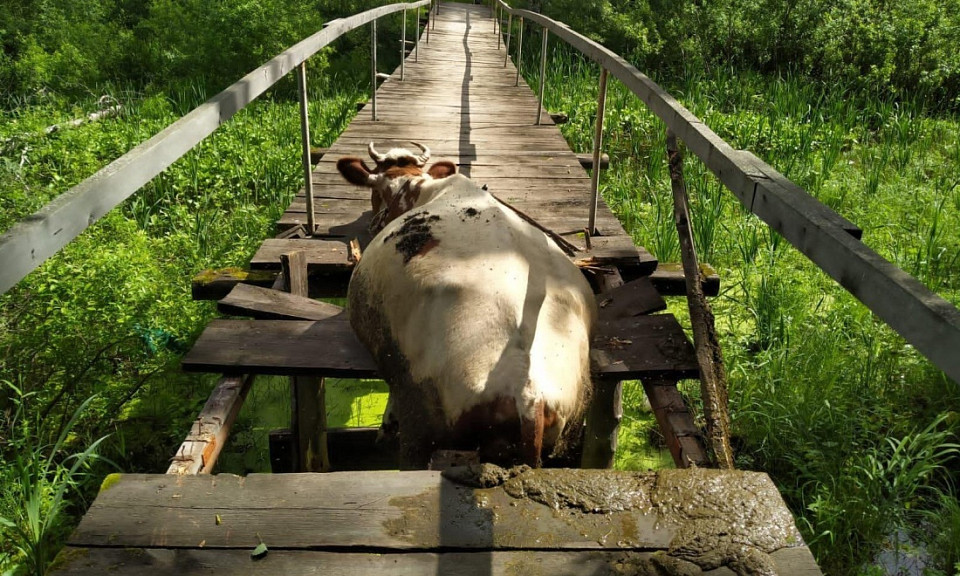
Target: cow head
395, 181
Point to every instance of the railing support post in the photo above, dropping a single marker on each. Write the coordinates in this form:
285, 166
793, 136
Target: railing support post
416, 42
506, 55
498, 25
713, 375
429, 17
373, 69
543, 72
519, 51
597, 141
305, 141
403, 44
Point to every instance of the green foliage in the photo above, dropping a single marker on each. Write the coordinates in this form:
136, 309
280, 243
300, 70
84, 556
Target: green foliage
38, 476
856, 428
905, 49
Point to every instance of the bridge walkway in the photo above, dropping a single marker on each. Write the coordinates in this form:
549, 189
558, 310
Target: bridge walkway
461, 101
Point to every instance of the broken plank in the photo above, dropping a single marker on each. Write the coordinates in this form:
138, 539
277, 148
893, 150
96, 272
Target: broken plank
630, 299
266, 304
198, 452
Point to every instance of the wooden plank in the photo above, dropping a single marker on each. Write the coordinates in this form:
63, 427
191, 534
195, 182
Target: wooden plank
424, 511
675, 421
266, 304
325, 285
216, 284
79, 561
32, 240
642, 347
669, 280
199, 451
327, 254
630, 299
281, 347
625, 349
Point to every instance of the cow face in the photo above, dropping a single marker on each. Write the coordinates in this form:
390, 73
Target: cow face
395, 181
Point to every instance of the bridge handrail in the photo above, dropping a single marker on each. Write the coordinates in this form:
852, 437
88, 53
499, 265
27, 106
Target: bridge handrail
927, 321
28, 243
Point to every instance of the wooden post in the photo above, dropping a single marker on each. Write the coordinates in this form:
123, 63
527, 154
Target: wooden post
305, 141
403, 44
416, 44
373, 69
606, 406
713, 377
597, 141
519, 52
308, 411
543, 71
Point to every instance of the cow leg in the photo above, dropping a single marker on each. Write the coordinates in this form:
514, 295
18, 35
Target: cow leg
531, 436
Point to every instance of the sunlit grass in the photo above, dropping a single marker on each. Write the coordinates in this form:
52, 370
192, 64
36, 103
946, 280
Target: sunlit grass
821, 392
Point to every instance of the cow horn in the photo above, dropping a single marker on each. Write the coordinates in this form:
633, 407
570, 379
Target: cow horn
376, 156
425, 156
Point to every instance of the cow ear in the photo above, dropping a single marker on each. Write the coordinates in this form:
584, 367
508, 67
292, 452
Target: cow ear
355, 171
442, 169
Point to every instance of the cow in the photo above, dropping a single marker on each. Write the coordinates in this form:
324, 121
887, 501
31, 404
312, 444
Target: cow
476, 319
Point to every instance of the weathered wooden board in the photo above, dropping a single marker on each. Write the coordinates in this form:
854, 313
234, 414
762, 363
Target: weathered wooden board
80, 561
631, 299
326, 254
281, 347
630, 348
640, 347
267, 304
423, 511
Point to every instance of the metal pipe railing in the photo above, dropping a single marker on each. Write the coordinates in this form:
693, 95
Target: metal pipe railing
597, 143
543, 72
305, 147
519, 52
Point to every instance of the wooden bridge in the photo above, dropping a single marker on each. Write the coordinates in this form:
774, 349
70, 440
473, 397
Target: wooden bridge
348, 511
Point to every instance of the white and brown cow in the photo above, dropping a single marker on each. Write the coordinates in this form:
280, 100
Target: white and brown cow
477, 320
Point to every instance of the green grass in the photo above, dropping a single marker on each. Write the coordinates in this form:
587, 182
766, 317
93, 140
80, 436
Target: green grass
111, 313
823, 396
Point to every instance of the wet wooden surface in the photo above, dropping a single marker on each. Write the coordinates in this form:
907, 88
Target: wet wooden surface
581, 522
